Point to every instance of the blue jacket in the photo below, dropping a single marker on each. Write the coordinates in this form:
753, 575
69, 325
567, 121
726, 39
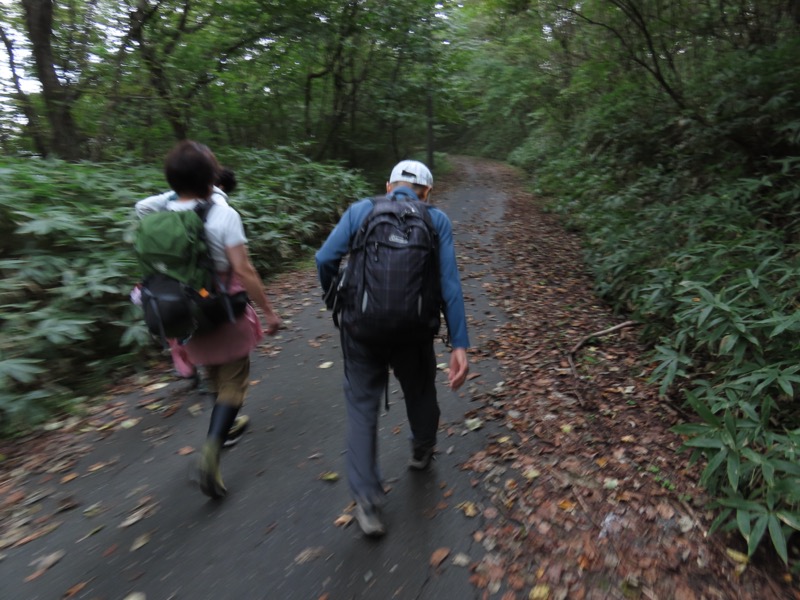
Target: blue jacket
338, 244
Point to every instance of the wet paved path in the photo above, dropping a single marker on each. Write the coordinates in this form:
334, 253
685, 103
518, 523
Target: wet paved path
136, 524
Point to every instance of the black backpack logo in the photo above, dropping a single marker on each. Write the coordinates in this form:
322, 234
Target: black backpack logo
390, 290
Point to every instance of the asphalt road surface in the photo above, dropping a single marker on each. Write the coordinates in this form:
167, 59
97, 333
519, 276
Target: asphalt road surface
133, 525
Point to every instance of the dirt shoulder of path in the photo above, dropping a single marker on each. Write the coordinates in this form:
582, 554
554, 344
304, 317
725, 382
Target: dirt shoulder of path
591, 498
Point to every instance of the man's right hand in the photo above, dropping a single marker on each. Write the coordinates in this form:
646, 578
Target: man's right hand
459, 367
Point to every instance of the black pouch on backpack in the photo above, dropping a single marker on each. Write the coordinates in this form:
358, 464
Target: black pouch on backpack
217, 309
168, 312
174, 310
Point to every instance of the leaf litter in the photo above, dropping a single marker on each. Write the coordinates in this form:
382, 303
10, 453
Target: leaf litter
592, 473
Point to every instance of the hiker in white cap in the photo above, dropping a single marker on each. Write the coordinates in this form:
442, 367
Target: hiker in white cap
389, 274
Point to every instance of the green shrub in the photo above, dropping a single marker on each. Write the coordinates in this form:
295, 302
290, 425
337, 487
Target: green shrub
67, 325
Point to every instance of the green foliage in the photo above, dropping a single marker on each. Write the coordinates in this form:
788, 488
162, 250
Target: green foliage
353, 79
667, 135
67, 325
288, 203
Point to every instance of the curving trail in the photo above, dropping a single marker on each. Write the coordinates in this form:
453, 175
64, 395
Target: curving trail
556, 475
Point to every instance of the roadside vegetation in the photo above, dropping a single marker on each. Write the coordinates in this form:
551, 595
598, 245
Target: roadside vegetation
69, 327
669, 137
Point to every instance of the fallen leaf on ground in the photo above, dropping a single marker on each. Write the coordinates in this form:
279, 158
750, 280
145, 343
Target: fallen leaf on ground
461, 560
540, 592
140, 541
155, 386
75, 590
326, 365
343, 520
69, 477
36, 535
44, 563
531, 474
473, 424
330, 476
93, 510
94, 531
134, 517
308, 555
737, 556
185, 450
468, 508
438, 556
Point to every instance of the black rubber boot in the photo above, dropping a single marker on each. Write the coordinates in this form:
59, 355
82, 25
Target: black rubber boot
222, 418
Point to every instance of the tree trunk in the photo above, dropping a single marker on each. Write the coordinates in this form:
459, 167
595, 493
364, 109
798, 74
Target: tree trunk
58, 98
28, 110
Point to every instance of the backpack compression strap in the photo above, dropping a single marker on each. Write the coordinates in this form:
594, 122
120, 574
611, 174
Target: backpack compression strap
202, 209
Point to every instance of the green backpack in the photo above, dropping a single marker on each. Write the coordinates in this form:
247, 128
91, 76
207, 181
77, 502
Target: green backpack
181, 292
172, 243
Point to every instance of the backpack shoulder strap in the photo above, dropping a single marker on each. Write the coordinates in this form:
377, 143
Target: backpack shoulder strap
357, 241
202, 209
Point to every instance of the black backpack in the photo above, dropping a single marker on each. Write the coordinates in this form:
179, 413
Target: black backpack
389, 289
181, 293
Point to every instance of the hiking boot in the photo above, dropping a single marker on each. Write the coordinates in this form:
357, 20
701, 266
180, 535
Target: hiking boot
369, 520
199, 384
236, 431
421, 458
208, 473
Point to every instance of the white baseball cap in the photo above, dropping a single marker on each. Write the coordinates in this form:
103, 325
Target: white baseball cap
411, 171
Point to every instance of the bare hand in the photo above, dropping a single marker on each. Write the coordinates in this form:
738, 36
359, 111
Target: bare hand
273, 322
459, 367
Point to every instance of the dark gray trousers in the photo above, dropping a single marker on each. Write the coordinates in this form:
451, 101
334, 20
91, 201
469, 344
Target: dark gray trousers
366, 369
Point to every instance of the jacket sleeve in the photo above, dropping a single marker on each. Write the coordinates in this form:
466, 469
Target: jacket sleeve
154, 204
452, 295
330, 255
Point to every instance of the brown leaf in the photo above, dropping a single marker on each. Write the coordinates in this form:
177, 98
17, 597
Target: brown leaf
186, 450
13, 498
567, 505
343, 520
438, 556
75, 590
36, 535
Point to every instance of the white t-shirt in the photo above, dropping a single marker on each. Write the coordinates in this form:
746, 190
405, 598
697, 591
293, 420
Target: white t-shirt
224, 227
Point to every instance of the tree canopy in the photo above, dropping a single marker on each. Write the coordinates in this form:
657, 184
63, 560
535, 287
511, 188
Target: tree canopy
129, 76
